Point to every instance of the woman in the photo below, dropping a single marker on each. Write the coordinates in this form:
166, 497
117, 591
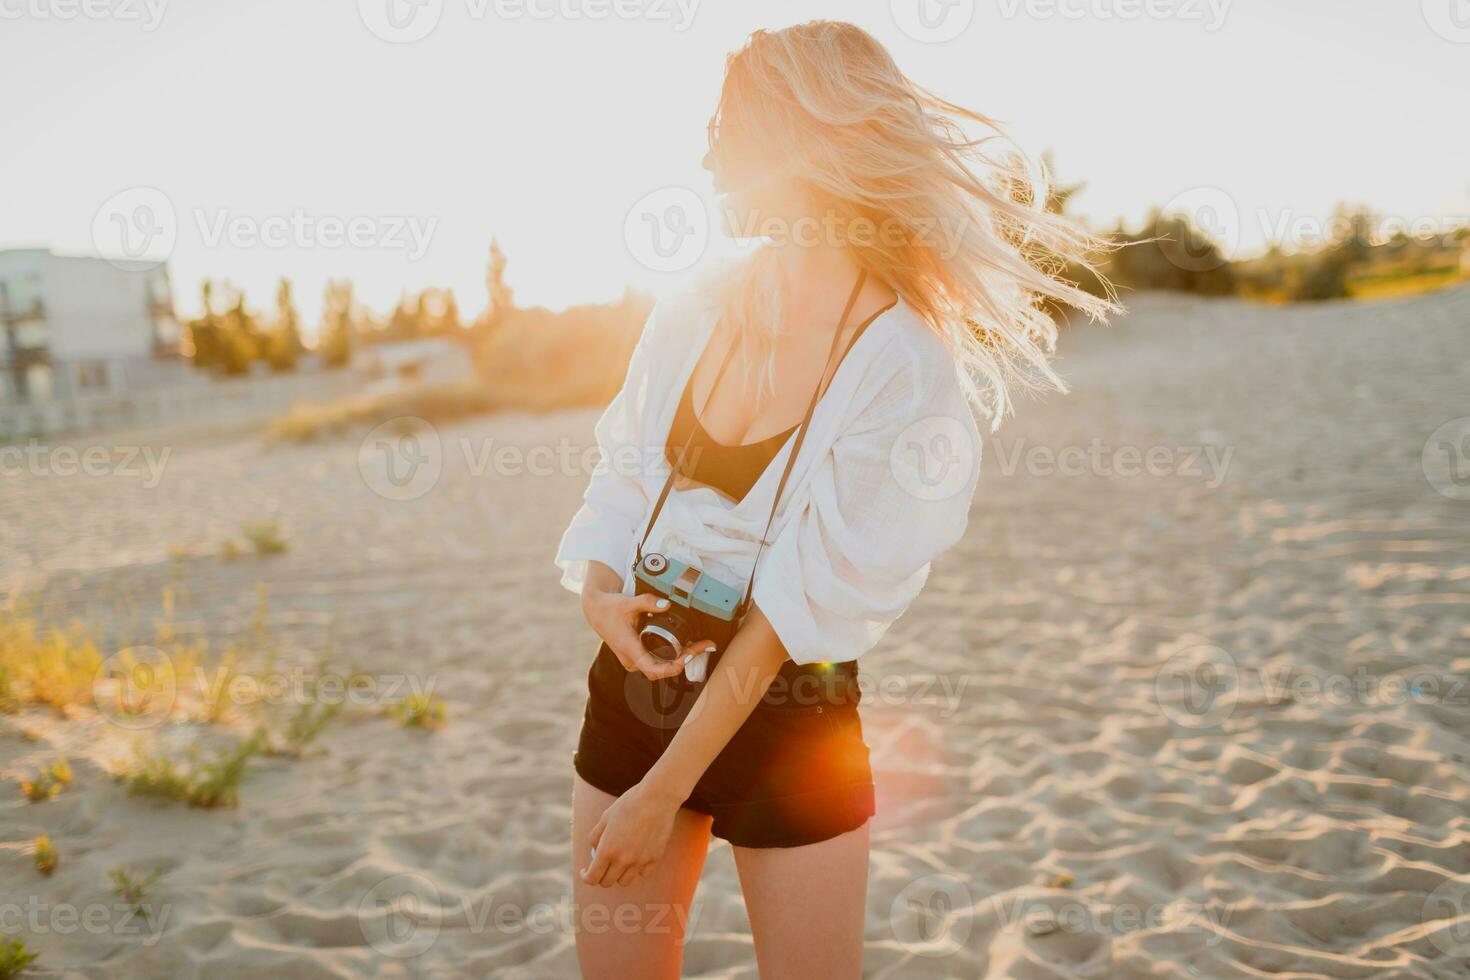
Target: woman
817, 399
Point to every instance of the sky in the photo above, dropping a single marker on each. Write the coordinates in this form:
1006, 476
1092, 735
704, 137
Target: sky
325, 138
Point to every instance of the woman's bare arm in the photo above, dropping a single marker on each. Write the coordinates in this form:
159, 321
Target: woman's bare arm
632, 833
740, 679
614, 617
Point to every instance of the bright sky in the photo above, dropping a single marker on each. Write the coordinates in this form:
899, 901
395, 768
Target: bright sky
533, 122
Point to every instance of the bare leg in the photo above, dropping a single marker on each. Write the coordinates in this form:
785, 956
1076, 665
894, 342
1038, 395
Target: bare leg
806, 906
636, 930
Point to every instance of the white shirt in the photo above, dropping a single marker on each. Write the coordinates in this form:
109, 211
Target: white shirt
882, 485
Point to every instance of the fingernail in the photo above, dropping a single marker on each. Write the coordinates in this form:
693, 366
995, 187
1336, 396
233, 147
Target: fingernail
710, 648
662, 603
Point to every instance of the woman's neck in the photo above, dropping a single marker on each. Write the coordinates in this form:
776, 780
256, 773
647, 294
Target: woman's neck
817, 264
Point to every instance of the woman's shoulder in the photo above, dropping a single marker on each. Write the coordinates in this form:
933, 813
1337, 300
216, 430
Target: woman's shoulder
910, 373
682, 309
914, 347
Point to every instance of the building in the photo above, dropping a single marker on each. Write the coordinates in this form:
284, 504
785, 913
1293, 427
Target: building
73, 326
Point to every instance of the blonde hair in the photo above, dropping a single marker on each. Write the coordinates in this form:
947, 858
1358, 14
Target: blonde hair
964, 234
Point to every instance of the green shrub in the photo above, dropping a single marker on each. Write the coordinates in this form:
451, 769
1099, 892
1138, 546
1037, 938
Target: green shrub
13, 958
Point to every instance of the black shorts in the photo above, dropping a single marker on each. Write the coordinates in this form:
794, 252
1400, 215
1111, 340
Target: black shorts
795, 773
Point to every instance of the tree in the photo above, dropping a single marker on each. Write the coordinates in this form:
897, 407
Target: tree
406, 322
448, 322
501, 298
337, 324
204, 335
284, 344
243, 342
438, 313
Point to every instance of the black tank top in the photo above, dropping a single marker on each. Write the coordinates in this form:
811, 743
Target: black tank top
732, 470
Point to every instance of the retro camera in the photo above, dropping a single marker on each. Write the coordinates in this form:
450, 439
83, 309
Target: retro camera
701, 607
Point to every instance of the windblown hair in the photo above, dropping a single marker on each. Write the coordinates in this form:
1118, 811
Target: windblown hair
961, 229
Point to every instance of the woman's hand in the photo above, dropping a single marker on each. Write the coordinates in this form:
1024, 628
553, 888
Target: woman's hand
630, 837
614, 617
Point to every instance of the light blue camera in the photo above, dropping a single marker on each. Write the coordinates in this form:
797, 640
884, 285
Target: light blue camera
688, 586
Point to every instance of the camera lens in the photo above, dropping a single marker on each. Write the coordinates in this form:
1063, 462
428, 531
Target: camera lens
663, 635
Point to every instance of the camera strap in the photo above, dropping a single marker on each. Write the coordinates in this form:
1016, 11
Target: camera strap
822, 382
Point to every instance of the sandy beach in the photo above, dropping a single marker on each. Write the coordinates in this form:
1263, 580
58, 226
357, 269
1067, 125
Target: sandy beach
1189, 700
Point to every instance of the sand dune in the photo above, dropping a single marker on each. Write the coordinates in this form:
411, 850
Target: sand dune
1205, 720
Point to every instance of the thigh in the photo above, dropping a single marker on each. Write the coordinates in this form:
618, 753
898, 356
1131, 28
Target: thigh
807, 905
637, 930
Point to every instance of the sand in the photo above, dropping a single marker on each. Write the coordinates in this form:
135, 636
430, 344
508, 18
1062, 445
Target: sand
1208, 720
